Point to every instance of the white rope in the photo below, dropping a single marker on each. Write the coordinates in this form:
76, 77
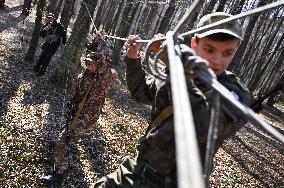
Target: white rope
125, 39
235, 17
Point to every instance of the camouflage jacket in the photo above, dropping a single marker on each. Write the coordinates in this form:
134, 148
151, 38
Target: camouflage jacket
157, 146
100, 85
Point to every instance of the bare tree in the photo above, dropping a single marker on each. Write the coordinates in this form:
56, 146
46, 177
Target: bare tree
67, 12
52, 4
167, 17
100, 13
59, 7
127, 16
69, 62
248, 32
116, 17
35, 36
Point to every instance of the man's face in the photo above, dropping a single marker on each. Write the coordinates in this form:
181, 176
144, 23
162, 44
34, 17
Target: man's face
91, 66
49, 19
219, 54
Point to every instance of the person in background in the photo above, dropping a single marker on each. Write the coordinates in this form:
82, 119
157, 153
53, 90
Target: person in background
55, 35
89, 92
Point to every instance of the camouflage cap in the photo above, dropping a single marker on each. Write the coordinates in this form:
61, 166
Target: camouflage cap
232, 28
95, 57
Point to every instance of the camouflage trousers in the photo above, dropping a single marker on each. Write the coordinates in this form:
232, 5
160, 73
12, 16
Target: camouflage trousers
69, 135
126, 176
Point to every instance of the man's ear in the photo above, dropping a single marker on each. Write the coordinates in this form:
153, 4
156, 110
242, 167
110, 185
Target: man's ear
193, 43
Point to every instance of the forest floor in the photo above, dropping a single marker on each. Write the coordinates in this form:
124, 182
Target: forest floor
31, 114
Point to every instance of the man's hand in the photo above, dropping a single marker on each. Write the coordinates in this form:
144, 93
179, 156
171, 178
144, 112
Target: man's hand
133, 47
46, 28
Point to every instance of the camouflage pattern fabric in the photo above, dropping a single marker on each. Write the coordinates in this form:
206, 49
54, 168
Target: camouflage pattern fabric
99, 43
155, 164
100, 84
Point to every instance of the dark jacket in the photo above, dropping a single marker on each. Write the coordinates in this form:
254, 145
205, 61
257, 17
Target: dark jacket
157, 146
55, 36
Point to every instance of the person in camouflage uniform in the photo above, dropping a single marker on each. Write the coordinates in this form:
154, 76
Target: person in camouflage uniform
155, 163
84, 110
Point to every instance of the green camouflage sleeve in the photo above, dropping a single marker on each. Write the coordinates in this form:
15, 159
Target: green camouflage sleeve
141, 86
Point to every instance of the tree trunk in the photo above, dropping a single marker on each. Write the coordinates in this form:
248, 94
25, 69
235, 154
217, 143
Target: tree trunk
167, 17
262, 68
208, 7
221, 5
273, 98
109, 16
150, 20
135, 21
69, 63
67, 12
193, 16
58, 7
99, 14
127, 16
116, 18
35, 36
142, 20
236, 62
52, 6
238, 8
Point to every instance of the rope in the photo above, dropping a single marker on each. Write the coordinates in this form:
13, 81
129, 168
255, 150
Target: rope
189, 171
125, 39
185, 17
212, 136
235, 17
246, 112
93, 23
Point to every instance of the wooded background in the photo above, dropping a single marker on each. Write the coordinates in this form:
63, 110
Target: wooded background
259, 60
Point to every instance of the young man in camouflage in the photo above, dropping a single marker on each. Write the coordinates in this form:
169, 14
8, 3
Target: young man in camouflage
91, 88
155, 163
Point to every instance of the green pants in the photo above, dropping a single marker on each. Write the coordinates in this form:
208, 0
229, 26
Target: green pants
125, 177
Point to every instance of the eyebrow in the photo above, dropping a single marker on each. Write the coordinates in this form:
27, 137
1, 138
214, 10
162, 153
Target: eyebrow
210, 46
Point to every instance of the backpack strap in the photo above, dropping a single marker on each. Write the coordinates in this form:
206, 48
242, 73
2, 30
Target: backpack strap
164, 115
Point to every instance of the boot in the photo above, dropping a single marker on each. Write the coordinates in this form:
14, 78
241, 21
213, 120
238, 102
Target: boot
52, 179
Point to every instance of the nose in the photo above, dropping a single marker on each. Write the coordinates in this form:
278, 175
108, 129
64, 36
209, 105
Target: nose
216, 59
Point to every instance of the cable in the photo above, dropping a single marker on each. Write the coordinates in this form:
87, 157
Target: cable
235, 17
